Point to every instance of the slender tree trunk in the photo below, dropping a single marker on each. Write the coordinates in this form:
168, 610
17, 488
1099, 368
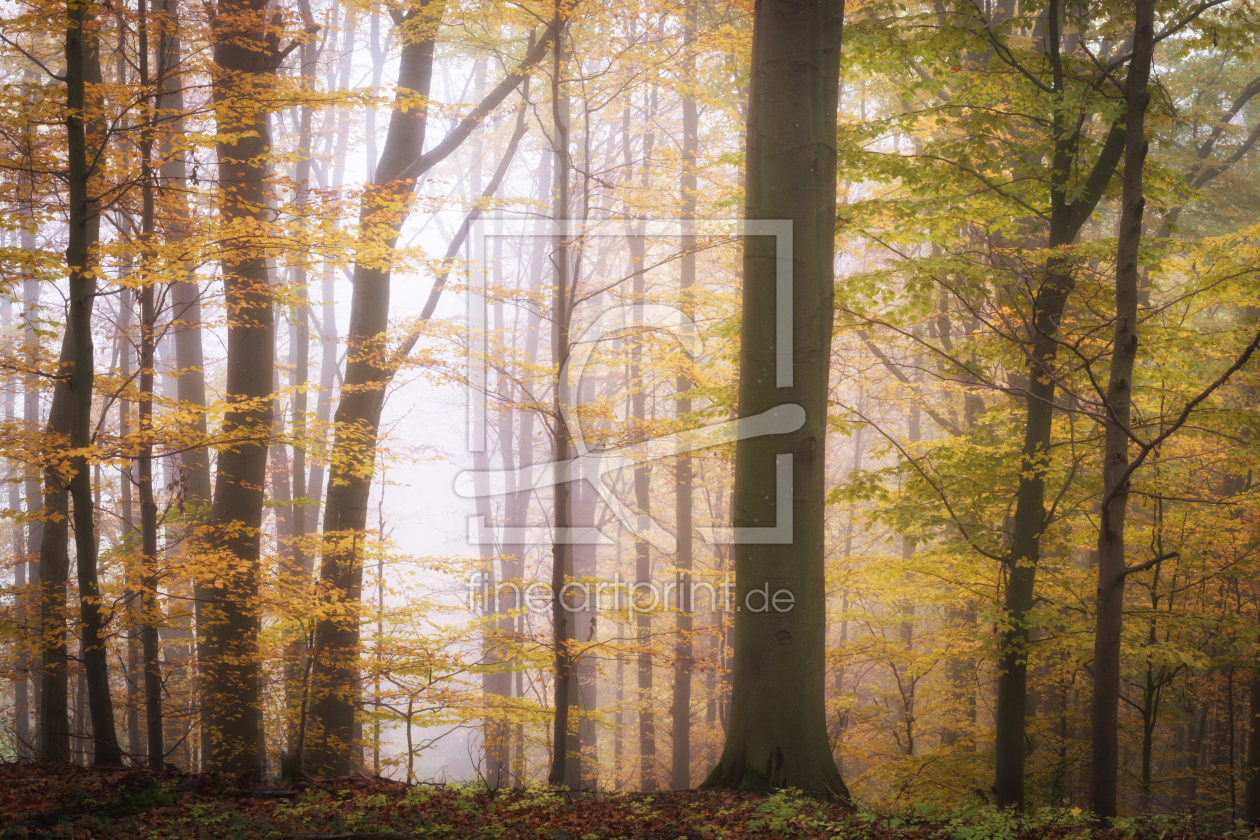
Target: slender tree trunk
519, 502
22, 663
1105, 711
642, 478
1049, 298
499, 684
299, 357
135, 738
680, 708
83, 68
561, 449
335, 669
906, 680
33, 490
778, 731
842, 715
582, 763
244, 65
150, 612
327, 320
334, 672
194, 470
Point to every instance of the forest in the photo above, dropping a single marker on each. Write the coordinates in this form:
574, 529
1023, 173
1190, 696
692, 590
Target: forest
800, 417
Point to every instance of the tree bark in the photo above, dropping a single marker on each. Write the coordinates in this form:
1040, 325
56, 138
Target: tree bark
135, 737
642, 482
334, 677
299, 566
33, 491
561, 447
83, 69
22, 663
1071, 203
245, 62
194, 460
334, 673
1105, 709
778, 731
150, 612
680, 706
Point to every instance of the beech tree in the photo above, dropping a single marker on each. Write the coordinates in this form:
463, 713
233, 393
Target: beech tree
777, 734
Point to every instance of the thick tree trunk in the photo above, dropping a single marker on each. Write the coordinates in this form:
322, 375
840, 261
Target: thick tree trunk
83, 68
244, 64
778, 731
680, 707
1105, 711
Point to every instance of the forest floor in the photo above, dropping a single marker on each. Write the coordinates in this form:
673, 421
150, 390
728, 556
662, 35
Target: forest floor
81, 803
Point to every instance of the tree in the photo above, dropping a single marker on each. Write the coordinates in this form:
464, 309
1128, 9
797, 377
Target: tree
246, 56
777, 736
680, 711
369, 368
1119, 405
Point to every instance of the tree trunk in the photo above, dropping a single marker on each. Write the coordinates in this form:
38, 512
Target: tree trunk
194, 470
519, 502
22, 663
680, 708
53, 738
83, 68
842, 715
151, 617
135, 738
1049, 299
334, 671
246, 63
642, 483
34, 493
1105, 711
299, 566
150, 612
1251, 793
778, 731
561, 448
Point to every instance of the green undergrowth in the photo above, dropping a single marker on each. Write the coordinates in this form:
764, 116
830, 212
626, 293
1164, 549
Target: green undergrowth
77, 803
